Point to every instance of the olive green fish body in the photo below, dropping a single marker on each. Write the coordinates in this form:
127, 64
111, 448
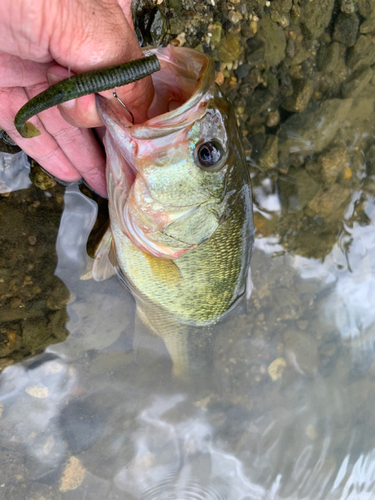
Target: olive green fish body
180, 206
80, 85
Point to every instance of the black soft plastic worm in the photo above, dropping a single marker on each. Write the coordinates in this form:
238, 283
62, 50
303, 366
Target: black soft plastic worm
80, 85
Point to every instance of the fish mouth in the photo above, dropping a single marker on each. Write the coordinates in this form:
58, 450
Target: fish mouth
186, 76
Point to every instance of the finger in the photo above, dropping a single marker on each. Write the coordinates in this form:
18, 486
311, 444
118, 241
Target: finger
78, 144
17, 72
99, 37
44, 149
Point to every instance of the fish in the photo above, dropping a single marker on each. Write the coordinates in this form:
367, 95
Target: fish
180, 206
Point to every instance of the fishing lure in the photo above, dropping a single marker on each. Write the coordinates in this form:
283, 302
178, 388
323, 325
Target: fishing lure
90, 82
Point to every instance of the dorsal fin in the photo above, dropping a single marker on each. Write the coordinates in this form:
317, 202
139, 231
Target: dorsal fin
105, 258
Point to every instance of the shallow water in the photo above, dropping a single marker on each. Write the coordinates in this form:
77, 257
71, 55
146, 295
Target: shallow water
290, 413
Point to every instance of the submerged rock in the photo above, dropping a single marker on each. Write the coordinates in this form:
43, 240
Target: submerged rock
362, 54
332, 163
274, 40
354, 86
302, 92
313, 129
346, 29
328, 202
315, 17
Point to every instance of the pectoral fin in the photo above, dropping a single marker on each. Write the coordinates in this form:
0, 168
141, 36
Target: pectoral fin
105, 263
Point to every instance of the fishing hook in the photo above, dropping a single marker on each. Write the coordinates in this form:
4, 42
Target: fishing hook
125, 106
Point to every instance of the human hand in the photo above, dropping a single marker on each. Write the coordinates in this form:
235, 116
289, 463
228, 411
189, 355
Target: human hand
45, 41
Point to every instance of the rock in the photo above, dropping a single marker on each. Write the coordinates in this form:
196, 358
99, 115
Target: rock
176, 26
362, 54
315, 17
274, 41
367, 26
346, 29
73, 475
40, 178
257, 142
370, 160
332, 162
358, 81
34, 332
158, 27
242, 71
230, 48
59, 296
328, 56
313, 129
281, 5
261, 100
348, 6
234, 17
273, 118
306, 187
302, 351
366, 8
276, 368
328, 202
269, 157
216, 33
19, 313
302, 92
82, 424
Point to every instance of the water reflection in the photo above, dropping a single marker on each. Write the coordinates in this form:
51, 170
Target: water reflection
288, 412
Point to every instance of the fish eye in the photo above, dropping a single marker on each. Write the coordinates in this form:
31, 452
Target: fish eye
209, 153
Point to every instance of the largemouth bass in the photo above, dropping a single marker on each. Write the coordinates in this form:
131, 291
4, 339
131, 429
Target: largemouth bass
180, 206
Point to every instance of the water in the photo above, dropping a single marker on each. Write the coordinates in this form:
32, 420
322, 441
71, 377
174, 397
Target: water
290, 413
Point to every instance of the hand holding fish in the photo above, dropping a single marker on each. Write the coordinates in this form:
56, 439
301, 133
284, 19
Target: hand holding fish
39, 42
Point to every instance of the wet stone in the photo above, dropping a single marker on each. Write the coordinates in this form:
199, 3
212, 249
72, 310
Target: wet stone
328, 202
348, 6
158, 27
367, 26
176, 26
229, 48
59, 296
313, 129
362, 54
242, 71
315, 17
367, 8
357, 82
302, 92
306, 187
346, 29
34, 332
40, 178
274, 39
370, 160
269, 157
332, 163
82, 425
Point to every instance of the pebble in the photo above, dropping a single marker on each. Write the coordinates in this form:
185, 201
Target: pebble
31, 240
73, 475
219, 78
276, 368
234, 17
37, 391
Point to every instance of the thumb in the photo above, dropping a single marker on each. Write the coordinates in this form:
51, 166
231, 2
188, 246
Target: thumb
95, 34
